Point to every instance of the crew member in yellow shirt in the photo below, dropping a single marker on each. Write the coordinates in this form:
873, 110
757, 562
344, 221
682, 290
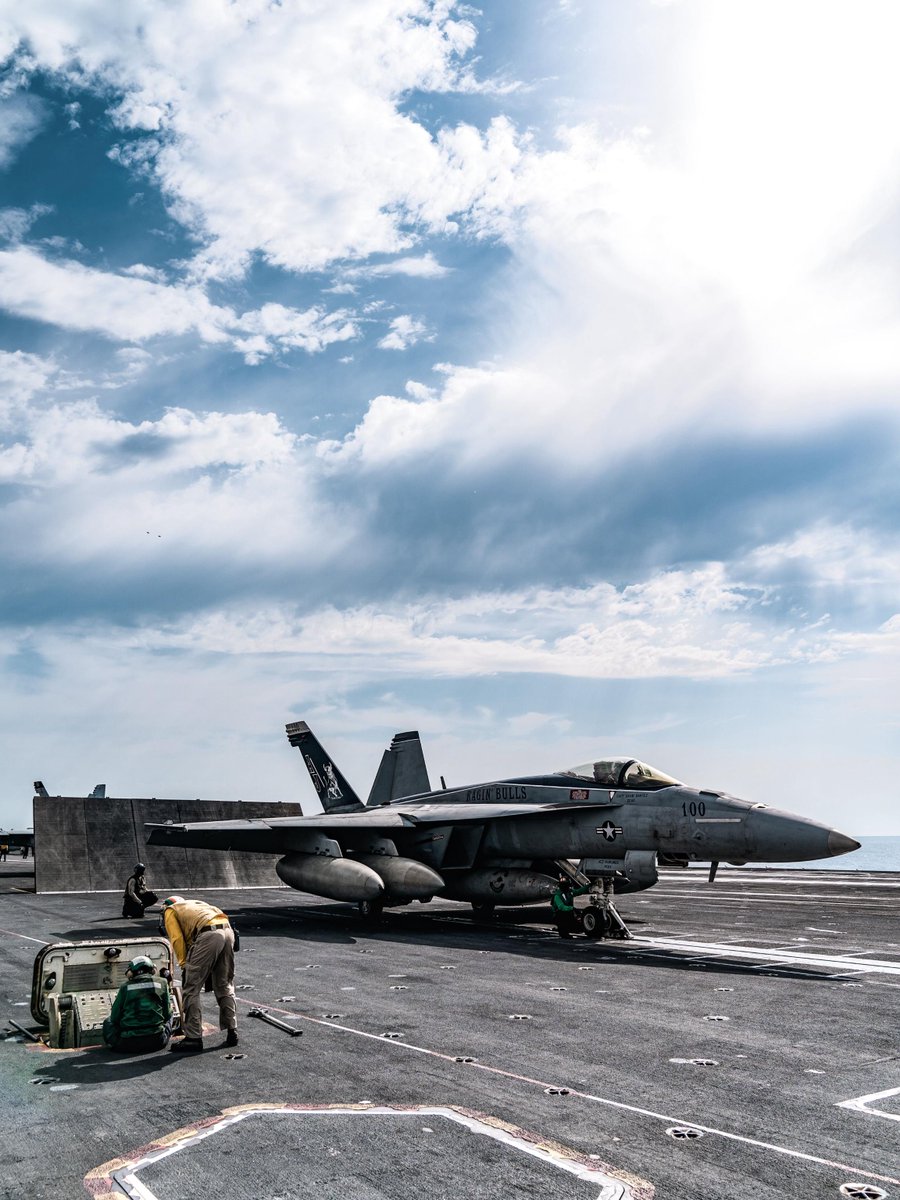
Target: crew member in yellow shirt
203, 941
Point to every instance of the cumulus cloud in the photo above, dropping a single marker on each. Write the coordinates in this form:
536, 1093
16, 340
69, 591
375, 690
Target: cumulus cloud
721, 249
404, 332
15, 222
832, 567
421, 266
722, 271
131, 308
21, 119
646, 297
105, 516
247, 508
66, 442
22, 377
242, 104
678, 624
274, 325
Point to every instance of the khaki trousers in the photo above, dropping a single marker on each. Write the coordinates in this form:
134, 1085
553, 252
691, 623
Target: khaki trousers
212, 953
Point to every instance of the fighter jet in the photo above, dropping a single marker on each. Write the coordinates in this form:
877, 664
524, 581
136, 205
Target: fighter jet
507, 841
18, 839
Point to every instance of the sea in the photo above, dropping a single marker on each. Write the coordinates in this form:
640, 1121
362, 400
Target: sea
876, 853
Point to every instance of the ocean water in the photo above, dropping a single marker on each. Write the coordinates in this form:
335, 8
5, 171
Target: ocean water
875, 854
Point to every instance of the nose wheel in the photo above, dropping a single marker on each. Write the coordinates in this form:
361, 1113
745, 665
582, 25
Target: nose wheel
595, 923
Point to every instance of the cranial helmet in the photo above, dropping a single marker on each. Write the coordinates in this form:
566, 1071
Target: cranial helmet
140, 964
170, 900
139, 868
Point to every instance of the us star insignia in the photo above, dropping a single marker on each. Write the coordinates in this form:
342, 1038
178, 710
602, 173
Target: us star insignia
610, 831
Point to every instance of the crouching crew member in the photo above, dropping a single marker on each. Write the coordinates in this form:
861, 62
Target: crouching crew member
137, 895
563, 904
141, 1017
203, 941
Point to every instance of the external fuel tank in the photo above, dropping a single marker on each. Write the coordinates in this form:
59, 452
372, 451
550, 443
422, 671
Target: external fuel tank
500, 885
403, 878
336, 878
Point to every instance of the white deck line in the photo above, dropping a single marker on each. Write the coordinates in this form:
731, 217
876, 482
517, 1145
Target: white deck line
841, 962
606, 1101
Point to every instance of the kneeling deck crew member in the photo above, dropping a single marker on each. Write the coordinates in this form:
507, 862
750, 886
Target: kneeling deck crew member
137, 895
141, 1017
563, 904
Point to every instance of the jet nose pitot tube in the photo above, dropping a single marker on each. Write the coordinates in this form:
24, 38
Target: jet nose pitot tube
782, 837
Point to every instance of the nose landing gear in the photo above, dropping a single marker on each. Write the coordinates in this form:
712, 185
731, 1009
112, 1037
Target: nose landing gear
595, 923
601, 918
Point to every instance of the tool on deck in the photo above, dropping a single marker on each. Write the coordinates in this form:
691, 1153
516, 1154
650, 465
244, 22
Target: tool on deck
261, 1015
22, 1029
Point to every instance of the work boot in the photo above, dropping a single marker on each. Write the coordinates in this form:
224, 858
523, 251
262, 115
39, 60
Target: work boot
187, 1046
231, 1038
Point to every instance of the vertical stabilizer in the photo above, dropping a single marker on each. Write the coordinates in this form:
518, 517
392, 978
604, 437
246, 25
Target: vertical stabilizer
402, 771
333, 790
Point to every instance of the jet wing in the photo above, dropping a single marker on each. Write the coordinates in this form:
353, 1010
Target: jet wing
273, 834
324, 821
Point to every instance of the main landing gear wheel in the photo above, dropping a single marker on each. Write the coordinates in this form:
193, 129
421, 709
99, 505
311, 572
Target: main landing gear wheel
595, 923
483, 908
371, 910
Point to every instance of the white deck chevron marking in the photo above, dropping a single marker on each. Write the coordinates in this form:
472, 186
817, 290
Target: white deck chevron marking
864, 1104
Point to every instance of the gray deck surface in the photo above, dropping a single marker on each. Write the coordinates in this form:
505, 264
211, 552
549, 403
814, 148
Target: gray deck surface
805, 966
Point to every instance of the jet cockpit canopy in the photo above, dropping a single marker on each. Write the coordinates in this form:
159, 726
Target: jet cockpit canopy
622, 773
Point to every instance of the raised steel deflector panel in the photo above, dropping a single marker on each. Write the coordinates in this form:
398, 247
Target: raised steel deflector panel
89, 845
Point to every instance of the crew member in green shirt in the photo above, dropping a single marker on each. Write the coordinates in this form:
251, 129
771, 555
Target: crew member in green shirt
563, 904
141, 1017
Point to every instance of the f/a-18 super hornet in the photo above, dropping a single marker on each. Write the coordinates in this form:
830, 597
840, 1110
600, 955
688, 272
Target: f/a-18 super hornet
508, 841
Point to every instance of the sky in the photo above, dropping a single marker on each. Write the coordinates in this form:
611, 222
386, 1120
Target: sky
526, 374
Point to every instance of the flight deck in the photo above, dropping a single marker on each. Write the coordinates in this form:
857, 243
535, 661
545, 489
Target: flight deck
744, 1043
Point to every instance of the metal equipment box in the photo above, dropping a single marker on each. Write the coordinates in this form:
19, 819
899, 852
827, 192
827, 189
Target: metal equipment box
74, 984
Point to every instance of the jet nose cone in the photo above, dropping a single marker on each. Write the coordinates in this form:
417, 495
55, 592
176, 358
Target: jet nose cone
839, 843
